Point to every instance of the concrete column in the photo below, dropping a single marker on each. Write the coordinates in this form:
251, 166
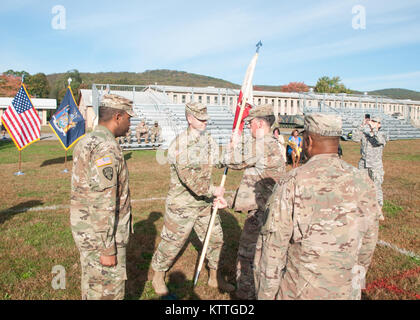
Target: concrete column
44, 117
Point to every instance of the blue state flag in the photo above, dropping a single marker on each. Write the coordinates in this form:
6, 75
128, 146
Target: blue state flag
68, 123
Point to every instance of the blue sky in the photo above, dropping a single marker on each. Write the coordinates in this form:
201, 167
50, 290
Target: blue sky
302, 40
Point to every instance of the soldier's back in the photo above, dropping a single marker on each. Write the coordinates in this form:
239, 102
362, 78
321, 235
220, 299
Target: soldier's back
264, 171
334, 207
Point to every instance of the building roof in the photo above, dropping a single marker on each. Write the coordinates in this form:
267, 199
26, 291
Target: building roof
143, 97
39, 103
279, 94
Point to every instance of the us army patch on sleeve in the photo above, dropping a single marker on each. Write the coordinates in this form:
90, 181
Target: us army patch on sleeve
108, 172
103, 161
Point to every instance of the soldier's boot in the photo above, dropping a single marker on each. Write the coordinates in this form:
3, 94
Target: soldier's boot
158, 283
216, 281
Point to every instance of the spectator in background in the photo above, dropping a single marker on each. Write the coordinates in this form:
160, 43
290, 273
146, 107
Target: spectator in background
295, 144
3, 131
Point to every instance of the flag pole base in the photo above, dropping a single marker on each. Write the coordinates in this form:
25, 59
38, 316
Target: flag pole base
65, 171
19, 173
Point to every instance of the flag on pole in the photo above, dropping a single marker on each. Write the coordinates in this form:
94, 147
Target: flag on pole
246, 93
68, 123
21, 120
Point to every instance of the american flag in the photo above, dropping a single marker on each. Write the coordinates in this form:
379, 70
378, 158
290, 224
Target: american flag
22, 120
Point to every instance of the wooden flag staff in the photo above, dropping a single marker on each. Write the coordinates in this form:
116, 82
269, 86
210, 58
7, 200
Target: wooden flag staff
222, 184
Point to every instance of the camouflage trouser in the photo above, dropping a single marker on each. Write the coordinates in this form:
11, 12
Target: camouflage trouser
177, 227
154, 137
144, 136
377, 176
246, 253
100, 282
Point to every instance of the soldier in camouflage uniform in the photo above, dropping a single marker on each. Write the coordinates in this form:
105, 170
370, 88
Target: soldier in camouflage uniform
191, 156
322, 224
373, 142
264, 165
142, 131
155, 133
100, 211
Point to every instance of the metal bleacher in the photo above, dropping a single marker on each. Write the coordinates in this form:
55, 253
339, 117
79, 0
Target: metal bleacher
171, 118
396, 129
150, 106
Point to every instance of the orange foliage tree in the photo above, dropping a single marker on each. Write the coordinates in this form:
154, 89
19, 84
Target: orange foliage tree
295, 87
9, 85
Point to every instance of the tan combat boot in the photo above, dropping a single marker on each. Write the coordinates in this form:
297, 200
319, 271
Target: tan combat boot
217, 281
158, 283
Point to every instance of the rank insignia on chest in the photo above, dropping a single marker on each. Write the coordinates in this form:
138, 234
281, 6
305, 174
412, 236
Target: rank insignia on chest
108, 172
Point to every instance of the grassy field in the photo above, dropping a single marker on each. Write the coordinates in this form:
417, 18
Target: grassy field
33, 241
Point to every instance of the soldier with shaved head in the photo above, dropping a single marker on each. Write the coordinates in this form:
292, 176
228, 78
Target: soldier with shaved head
322, 224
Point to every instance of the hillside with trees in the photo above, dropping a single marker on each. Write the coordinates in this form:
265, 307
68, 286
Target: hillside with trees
54, 85
397, 93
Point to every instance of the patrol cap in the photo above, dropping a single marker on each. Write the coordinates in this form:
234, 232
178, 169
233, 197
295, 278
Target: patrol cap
323, 124
117, 102
198, 110
260, 111
375, 118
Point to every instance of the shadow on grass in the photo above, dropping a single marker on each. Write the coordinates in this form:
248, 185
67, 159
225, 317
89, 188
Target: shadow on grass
20, 208
139, 255
128, 156
180, 288
6, 144
57, 161
142, 245
231, 234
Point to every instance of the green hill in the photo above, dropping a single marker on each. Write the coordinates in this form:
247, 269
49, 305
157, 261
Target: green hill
397, 93
161, 77
58, 82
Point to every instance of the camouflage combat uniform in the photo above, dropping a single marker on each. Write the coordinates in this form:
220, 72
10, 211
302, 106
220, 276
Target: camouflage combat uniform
142, 131
321, 231
155, 133
264, 165
371, 150
100, 213
189, 201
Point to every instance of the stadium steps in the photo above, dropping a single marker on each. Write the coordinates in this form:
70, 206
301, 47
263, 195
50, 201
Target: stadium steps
396, 129
171, 118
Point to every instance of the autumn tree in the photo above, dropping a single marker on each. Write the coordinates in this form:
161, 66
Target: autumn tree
331, 85
9, 85
14, 73
38, 85
60, 87
295, 87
